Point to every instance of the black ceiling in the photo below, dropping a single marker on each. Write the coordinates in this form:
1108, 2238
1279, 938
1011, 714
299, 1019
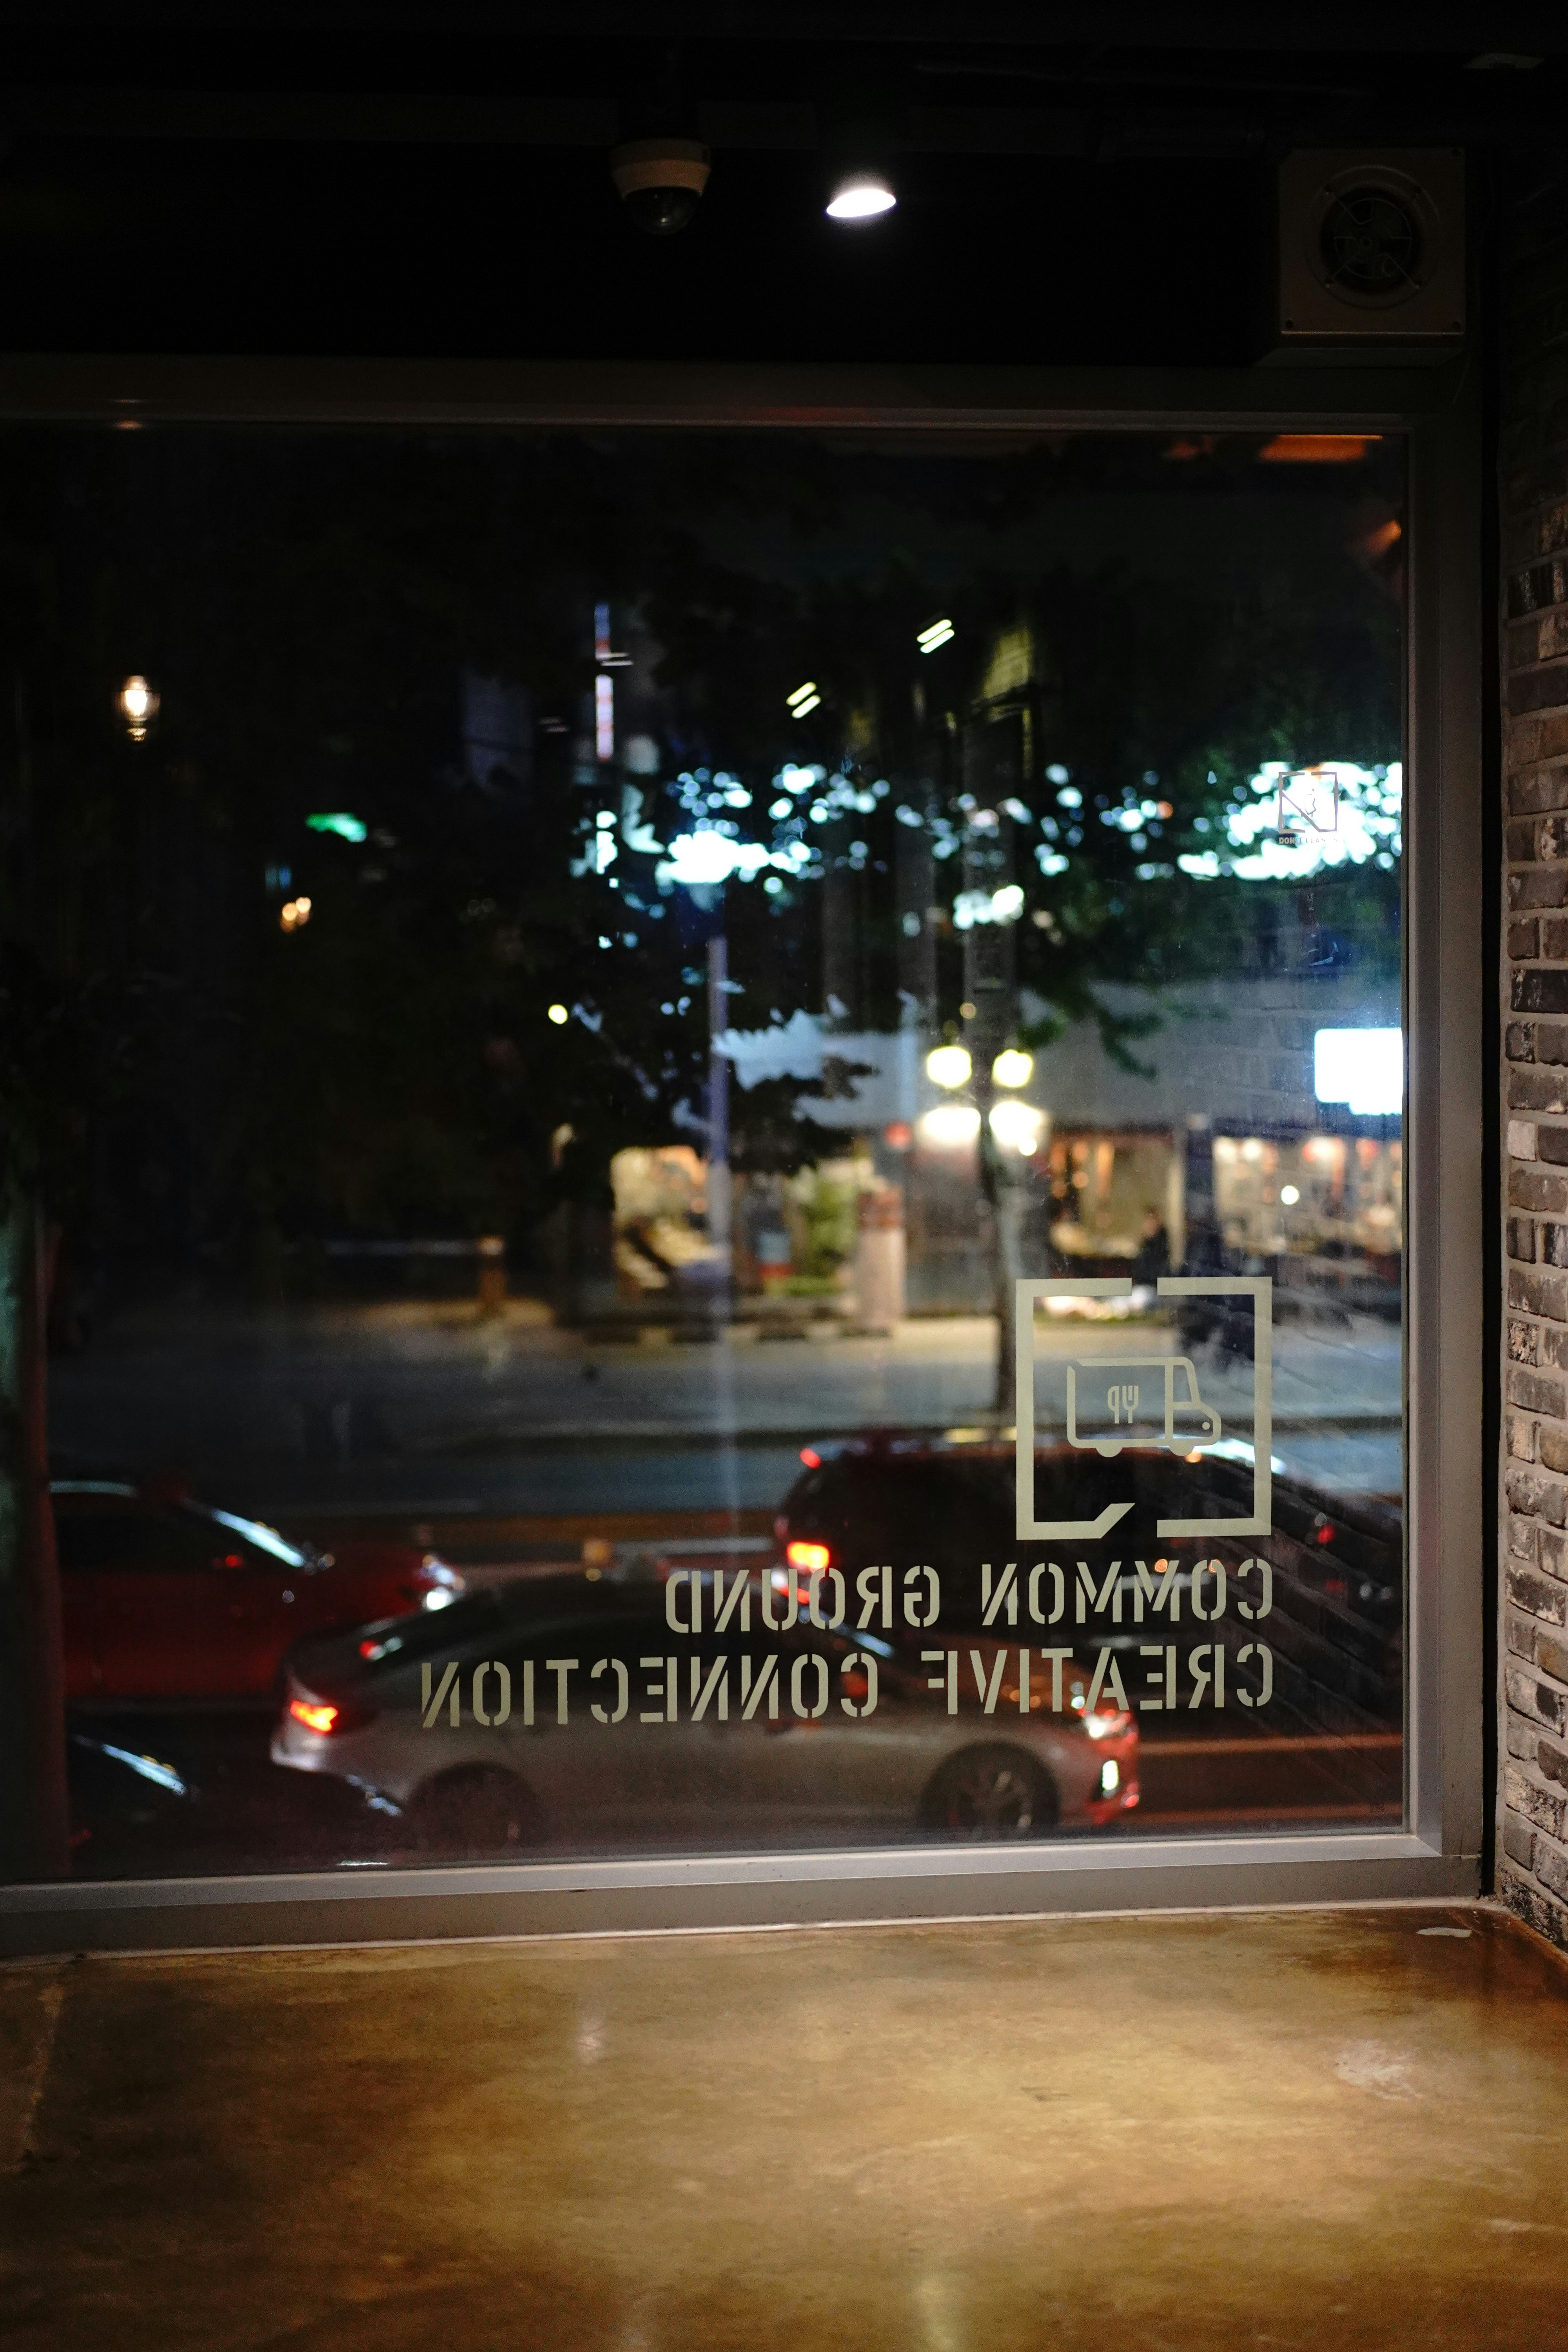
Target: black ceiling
1075, 183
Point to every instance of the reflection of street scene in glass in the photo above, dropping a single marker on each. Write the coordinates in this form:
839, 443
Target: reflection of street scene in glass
850, 1026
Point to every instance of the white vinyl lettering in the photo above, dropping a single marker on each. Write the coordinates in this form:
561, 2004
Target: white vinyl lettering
770, 1593
797, 1685
860, 1662
1110, 1594
1058, 1592
1203, 1675
988, 1690
1244, 1608
716, 1686
654, 1690
911, 1598
1006, 1595
1167, 1595
725, 1605
1152, 1673
690, 1579
765, 1684
561, 1668
1208, 1568
1056, 1660
834, 1576
1265, 1656
874, 1588
503, 1687
432, 1703
1106, 1683
948, 1679
623, 1690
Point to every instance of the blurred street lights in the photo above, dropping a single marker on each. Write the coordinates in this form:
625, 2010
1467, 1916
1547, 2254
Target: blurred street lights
949, 1066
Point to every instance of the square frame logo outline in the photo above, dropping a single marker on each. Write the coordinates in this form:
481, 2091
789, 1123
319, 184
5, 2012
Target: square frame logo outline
1259, 1288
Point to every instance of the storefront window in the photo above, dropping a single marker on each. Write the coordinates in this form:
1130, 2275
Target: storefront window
724, 1121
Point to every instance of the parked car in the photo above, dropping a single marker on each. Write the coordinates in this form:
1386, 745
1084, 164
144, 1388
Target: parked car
144, 1803
600, 1737
128, 1801
168, 1598
1336, 1596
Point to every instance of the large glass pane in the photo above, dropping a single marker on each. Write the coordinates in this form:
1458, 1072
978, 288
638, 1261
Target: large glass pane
722, 1121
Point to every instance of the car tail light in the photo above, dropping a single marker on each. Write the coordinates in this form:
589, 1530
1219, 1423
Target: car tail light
325, 1715
316, 1715
808, 1558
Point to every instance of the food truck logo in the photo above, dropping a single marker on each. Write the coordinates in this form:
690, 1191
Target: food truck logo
1145, 1400
1148, 1400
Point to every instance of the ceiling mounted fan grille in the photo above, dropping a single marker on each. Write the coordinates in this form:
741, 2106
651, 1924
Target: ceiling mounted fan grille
1371, 245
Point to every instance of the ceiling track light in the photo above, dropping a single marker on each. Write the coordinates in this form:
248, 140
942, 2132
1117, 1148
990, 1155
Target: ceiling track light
861, 196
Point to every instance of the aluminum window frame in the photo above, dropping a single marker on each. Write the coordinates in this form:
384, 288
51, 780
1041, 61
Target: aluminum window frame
1436, 1852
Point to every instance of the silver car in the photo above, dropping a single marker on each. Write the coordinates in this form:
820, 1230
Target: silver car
530, 1717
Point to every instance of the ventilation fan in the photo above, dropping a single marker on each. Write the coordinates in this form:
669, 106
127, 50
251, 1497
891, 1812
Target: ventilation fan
1372, 248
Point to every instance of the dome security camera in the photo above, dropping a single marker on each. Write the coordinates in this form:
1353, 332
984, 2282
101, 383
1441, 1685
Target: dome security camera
660, 181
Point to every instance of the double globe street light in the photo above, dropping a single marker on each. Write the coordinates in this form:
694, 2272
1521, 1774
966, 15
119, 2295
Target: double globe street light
1016, 1125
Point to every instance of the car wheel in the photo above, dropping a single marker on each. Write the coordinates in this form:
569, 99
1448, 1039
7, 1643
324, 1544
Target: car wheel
474, 1813
990, 1793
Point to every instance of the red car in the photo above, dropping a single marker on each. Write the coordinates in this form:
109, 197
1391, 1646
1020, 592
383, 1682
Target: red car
168, 1598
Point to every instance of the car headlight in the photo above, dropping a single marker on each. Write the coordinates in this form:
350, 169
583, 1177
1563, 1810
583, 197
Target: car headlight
1109, 1777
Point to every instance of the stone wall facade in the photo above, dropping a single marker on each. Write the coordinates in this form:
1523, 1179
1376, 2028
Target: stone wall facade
1532, 1820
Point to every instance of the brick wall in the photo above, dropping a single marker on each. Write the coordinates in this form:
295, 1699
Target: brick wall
1532, 1841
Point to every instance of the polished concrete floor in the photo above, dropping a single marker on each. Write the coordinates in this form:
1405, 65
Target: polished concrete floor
1296, 2129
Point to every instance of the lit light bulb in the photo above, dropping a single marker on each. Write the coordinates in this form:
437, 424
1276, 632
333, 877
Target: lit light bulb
138, 706
1012, 1068
950, 1125
1018, 1127
559, 1015
864, 195
949, 1066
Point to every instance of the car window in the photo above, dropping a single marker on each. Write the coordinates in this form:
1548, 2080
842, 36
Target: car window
468, 1625
612, 1634
144, 1541
88, 1539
